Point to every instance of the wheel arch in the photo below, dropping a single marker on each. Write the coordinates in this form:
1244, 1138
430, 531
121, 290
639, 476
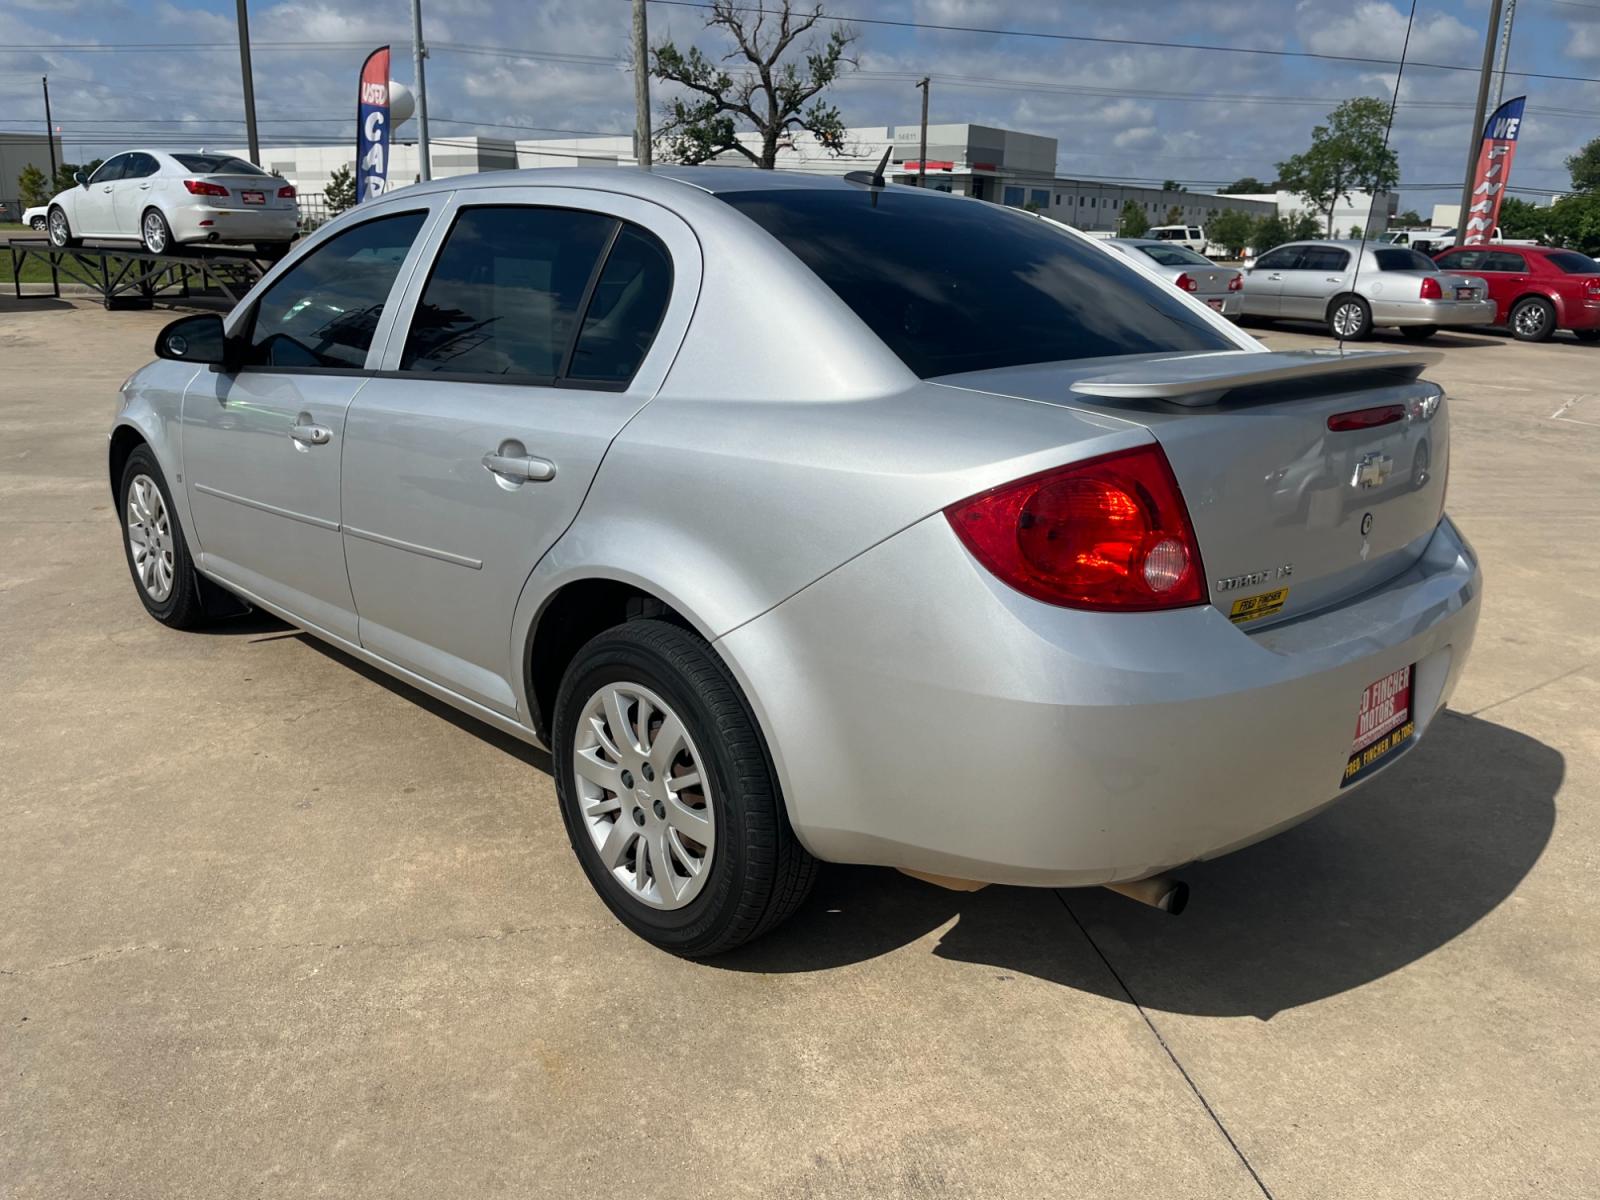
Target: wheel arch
125, 438
1552, 298
1339, 298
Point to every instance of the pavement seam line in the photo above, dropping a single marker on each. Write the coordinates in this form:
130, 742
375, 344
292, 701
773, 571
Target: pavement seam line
1528, 691
1162, 1042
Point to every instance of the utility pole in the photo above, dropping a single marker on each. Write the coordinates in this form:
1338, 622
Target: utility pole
641, 85
1479, 116
419, 51
249, 82
49, 131
1505, 55
922, 151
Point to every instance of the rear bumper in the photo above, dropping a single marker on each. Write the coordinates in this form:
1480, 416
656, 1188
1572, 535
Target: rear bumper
1583, 315
1434, 312
199, 223
922, 714
1229, 304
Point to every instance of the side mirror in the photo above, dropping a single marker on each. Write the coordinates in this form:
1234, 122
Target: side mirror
196, 339
1249, 264
80, 179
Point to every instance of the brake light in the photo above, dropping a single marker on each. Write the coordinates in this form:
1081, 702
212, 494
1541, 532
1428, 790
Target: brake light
1592, 289
199, 187
1183, 281
1431, 289
286, 192
1109, 534
1366, 418
1236, 284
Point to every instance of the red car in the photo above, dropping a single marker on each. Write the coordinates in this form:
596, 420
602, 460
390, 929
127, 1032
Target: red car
1539, 289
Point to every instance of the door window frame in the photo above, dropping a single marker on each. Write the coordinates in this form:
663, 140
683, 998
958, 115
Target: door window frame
123, 159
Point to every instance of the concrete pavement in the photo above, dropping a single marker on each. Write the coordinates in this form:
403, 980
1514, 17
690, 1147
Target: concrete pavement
273, 923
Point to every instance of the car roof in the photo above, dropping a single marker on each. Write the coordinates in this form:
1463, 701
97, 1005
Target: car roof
644, 182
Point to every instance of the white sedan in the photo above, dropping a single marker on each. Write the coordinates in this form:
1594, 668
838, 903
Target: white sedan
35, 218
163, 200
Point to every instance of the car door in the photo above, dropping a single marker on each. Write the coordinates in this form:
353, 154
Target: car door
1510, 277
1263, 283
95, 211
548, 319
130, 195
1320, 274
261, 444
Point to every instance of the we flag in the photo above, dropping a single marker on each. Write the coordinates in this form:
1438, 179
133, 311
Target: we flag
1493, 172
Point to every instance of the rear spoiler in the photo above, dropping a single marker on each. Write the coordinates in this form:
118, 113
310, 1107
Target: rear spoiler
1197, 380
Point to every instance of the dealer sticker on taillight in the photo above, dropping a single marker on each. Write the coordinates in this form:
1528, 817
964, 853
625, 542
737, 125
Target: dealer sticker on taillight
1253, 608
1384, 723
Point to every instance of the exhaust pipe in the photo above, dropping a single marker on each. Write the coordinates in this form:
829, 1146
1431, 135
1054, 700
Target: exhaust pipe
1159, 891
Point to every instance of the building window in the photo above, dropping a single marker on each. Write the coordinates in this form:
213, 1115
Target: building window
1040, 198
1013, 197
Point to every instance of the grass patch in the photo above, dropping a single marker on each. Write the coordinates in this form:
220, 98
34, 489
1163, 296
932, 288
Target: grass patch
34, 270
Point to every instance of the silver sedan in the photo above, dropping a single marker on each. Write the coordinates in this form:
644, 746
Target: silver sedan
1352, 288
1218, 288
809, 519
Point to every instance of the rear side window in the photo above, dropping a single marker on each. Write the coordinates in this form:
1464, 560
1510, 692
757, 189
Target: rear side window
1404, 260
140, 166
1573, 263
217, 164
624, 311
323, 311
1464, 260
958, 285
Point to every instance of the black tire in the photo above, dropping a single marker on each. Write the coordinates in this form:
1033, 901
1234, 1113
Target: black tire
61, 239
272, 251
759, 872
1361, 313
1587, 335
1418, 333
39, 224
181, 607
1532, 319
167, 246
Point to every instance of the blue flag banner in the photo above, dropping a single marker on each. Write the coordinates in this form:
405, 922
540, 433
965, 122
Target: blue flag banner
372, 126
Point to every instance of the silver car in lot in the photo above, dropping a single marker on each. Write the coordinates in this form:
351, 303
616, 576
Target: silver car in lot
1352, 288
812, 519
1218, 288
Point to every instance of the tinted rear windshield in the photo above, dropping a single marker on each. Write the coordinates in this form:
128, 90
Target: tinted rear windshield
1404, 260
1574, 263
1176, 256
962, 285
217, 164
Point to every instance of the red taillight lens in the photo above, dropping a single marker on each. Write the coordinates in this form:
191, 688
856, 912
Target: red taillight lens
1110, 534
199, 187
1236, 284
1592, 289
286, 192
1431, 289
1366, 418
1183, 281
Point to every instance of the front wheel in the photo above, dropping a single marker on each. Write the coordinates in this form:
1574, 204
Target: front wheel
158, 556
39, 224
60, 231
1418, 333
1350, 319
1533, 320
155, 233
669, 798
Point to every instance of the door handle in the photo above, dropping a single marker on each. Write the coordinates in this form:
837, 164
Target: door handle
1274, 275
1333, 279
144, 187
513, 463
307, 434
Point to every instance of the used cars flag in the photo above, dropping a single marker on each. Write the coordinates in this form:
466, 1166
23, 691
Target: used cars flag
372, 126
1494, 172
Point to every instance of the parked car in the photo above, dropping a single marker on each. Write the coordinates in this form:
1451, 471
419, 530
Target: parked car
36, 218
165, 200
1192, 237
1536, 289
969, 549
1352, 288
1216, 287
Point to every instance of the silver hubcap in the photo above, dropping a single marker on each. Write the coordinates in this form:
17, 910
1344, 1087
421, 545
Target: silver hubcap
38, 222
643, 796
1530, 319
150, 537
1347, 319
58, 226
155, 233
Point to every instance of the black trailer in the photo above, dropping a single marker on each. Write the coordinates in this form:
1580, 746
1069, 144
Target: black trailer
133, 277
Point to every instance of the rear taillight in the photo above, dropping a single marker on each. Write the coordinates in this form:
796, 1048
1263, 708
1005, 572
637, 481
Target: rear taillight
1431, 289
1236, 284
198, 187
1592, 289
286, 192
1186, 283
1366, 418
1110, 534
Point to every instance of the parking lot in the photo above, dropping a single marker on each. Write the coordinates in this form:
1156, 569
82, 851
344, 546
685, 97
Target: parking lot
276, 924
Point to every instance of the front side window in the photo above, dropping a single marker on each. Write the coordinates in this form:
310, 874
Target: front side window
1404, 260
952, 286
1464, 260
506, 292
323, 311
1282, 259
110, 170
1324, 258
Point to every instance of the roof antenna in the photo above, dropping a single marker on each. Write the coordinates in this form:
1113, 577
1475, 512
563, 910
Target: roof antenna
875, 179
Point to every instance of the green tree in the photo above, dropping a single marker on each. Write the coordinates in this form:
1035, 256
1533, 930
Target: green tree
1520, 219
1172, 185
1574, 222
1408, 219
1249, 185
33, 188
1133, 223
1305, 225
1585, 167
66, 171
1355, 232
1346, 155
1174, 215
774, 97
1232, 229
1267, 232
341, 190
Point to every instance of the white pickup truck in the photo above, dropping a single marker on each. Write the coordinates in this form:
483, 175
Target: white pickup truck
1433, 240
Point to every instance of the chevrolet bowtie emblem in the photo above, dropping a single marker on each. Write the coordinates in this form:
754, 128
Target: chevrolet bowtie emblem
1372, 470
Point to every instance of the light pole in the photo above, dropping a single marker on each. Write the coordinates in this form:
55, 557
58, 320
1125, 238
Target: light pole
419, 51
641, 85
49, 131
1478, 117
922, 150
249, 82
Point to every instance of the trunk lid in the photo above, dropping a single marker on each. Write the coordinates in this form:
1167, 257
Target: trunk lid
1210, 281
238, 185
1278, 499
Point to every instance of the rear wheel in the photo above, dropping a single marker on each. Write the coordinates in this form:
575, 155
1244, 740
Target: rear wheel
669, 799
155, 233
1349, 318
1418, 333
60, 231
1533, 320
158, 556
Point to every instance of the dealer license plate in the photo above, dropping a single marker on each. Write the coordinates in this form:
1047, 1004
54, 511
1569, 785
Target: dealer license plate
1216, 304
253, 197
1383, 723
1466, 293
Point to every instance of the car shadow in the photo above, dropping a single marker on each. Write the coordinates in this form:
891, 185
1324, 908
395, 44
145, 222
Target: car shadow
27, 303
1375, 883
1443, 340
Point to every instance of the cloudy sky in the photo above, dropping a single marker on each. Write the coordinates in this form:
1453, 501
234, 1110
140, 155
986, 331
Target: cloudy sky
1119, 110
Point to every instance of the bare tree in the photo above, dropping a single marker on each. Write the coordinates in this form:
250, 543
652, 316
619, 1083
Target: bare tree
773, 95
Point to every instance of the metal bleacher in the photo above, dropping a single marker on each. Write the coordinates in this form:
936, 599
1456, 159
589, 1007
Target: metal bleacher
132, 277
